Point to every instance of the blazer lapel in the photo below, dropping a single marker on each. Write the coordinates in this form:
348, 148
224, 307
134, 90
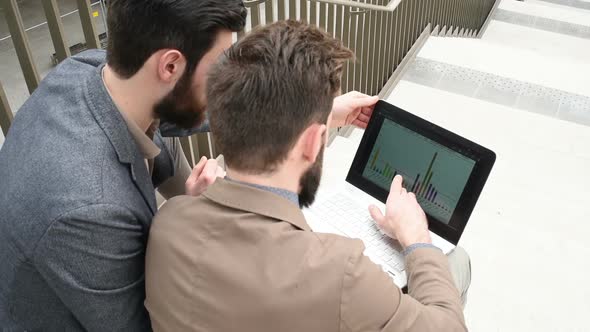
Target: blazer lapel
143, 182
112, 123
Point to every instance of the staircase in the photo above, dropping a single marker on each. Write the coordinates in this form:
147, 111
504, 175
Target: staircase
514, 65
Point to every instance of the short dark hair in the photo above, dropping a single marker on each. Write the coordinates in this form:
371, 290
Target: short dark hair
139, 28
268, 88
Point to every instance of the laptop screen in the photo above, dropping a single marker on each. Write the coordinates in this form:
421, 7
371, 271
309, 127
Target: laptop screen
445, 171
436, 174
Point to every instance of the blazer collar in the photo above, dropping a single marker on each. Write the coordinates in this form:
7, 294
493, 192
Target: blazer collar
108, 117
114, 126
247, 198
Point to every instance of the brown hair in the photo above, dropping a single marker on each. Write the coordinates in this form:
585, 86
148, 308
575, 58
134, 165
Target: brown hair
268, 88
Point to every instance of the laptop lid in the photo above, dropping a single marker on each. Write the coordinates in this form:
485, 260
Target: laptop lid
446, 171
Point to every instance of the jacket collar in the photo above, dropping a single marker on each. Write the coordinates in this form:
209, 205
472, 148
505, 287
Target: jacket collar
108, 117
144, 142
247, 198
114, 126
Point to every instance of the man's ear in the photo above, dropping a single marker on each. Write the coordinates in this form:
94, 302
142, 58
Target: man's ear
171, 66
313, 139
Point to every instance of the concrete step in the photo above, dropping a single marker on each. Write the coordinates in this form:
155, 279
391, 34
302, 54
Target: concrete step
562, 47
517, 78
566, 74
548, 10
566, 4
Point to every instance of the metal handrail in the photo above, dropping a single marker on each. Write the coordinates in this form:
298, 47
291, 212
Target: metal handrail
251, 3
358, 11
391, 7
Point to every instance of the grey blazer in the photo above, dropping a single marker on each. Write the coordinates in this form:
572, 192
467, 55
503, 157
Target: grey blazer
76, 204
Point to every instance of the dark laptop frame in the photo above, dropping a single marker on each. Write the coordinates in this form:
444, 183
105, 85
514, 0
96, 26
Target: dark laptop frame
484, 161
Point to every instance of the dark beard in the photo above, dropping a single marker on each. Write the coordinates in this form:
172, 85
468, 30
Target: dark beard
179, 106
310, 182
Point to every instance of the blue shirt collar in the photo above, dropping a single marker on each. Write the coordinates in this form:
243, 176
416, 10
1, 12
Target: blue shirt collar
291, 196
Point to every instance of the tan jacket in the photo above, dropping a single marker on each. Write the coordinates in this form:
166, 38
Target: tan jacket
240, 258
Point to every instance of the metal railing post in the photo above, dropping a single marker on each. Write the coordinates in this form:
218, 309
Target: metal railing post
268, 12
440, 13
292, 10
397, 45
56, 29
6, 115
104, 9
188, 150
88, 26
21, 44
331, 19
303, 15
313, 12
281, 9
204, 145
407, 20
322, 20
346, 40
365, 65
359, 28
255, 16
371, 36
390, 46
380, 43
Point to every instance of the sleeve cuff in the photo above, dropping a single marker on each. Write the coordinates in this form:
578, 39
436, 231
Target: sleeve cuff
415, 246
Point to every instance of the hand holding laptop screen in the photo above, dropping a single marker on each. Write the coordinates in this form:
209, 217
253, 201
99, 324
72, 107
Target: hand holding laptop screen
428, 178
404, 219
445, 171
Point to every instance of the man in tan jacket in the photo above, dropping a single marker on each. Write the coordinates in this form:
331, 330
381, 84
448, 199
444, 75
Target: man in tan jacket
241, 257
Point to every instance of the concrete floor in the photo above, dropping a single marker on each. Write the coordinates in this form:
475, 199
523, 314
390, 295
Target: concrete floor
40, 42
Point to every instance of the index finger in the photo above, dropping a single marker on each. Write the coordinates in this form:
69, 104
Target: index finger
209, 173
396, 185
364, 101
198, 169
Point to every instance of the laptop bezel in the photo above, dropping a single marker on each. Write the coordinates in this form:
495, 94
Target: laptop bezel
483, 157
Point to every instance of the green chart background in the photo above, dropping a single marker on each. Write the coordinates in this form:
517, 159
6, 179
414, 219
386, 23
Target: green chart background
409, 154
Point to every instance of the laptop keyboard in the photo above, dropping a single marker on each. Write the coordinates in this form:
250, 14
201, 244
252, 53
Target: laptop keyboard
355, 221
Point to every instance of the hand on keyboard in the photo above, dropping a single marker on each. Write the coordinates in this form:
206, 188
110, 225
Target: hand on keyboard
352, 219
404, 219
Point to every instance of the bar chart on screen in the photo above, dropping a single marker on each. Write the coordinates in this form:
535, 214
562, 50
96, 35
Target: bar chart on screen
435, 174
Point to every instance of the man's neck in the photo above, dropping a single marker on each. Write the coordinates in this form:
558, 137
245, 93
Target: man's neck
281, 180
130, 97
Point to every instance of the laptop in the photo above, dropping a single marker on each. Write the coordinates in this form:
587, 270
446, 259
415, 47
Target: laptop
445, 171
